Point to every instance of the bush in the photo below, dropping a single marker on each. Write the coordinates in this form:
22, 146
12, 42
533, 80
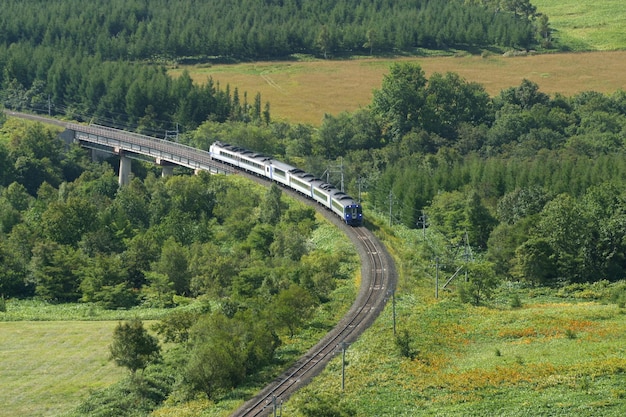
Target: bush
131, 397
516, 302
618, 294
133, 347
327, 406
403, 342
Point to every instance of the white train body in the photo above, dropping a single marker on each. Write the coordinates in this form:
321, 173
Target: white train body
307, 184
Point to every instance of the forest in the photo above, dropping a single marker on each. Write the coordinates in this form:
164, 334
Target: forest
253, 29
223, 250
532, 183
505, 170
535, 181
104, 61
141, 98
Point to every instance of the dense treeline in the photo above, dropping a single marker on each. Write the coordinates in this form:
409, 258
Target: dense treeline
80, 59
505, 170
533, 183
69, 233
121, 94
140, 29
536, 183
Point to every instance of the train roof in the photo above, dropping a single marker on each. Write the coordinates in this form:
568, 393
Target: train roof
242, 151
335, 193
281, 165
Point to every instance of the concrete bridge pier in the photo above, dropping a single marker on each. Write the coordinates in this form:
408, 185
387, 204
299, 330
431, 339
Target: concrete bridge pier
167, 171
167, 168
125, 166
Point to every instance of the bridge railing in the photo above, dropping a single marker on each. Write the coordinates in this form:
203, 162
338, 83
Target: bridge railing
173, 152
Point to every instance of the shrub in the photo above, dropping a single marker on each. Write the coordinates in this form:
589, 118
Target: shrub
133, 347
570, 334
130, 397
403, 342
327, 406
618, 294
515, 302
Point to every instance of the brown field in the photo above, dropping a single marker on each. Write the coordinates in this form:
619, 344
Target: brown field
303, 91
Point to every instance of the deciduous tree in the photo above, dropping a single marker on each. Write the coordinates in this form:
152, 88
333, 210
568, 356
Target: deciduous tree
133, 347
400, 100
291, 308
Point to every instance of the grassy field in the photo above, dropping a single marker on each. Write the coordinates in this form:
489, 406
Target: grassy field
549, 357
48, 367
559, 353
544, 359
303, 91
52, 356
587, 25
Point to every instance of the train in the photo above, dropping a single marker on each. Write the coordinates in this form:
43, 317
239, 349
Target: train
340, 203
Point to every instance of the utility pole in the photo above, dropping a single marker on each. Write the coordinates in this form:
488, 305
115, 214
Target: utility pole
341, 166
344, 346
423, 220
466, 254
390, 207
335, 169
393, 309
276, 406
172, 134
437, 277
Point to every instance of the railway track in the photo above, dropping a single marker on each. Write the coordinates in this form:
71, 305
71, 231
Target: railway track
378, 281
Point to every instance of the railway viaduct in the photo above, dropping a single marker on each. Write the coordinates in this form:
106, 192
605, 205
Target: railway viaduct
132, 146
129, 146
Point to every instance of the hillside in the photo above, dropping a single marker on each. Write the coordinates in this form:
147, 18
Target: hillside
586, 25
503, 186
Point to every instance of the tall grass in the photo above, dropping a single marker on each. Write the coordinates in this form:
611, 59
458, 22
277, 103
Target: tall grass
554, 353
303, 92
39, 310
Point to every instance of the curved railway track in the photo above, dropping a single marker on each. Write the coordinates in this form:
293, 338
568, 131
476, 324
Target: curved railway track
378, 280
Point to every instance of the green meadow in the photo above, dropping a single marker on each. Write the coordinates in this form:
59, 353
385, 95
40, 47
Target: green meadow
49, 367
587, 25
527, 352
555, 354
304, 90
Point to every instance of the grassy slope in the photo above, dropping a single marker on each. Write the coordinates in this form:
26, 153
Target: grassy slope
53, 356
585, 24
540, 370
47, 368
552, 356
